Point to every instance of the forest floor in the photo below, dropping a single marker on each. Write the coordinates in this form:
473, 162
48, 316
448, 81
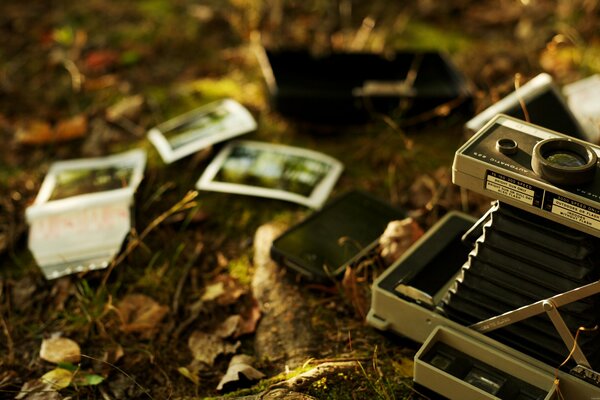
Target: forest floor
140, 325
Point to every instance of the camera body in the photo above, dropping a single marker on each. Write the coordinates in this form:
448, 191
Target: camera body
517, 260
500, 162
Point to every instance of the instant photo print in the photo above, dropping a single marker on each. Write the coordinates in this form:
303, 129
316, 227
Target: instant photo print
507, 318
583, 98
274, 171
338, 235
200, 128
544, 104
81, 215
345, 88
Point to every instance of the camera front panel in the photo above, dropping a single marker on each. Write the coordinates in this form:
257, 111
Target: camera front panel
497, 162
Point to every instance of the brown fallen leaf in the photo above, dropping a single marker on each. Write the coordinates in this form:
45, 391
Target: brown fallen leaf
37, 390
128, 108
213, 291
7, 378
59, 349
206, 347
249, 319
102, 82
100, 60
37, 132
71, 128
61, 291
397, 238
111, 355
233, 290
228, 327
355, 293
141, 314
224, 289
240, 374
34, 132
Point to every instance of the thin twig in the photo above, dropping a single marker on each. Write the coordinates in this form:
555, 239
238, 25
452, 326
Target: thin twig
76, 77
184, 204
9, 341
518, 93
186, 270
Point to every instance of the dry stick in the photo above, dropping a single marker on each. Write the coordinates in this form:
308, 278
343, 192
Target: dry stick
77, 77
186, 270
184, 204
440, 111
518, 93
579, 330
9, 341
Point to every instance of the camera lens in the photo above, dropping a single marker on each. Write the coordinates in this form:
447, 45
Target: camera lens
564, 158
563, 161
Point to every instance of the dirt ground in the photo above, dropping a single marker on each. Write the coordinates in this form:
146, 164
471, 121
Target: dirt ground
86, 79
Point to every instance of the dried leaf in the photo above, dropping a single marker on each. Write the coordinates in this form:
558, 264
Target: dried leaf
7, 377
58, 378
129, 108
102, 82
355, 294
249, 319
61, 291
397, 238
59, 349
71, 128
229, 326
213, 291
141, 314
37, 390
112, 354
240, 374
225, 290
34, 132
189, 374
206, 347
233, 290
101, 60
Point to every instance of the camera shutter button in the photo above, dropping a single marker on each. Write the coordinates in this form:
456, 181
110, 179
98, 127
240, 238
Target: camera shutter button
507, 146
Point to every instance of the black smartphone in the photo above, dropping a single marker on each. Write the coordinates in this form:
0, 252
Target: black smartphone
322, 245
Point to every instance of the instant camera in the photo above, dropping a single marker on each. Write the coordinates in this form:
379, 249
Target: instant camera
507, 307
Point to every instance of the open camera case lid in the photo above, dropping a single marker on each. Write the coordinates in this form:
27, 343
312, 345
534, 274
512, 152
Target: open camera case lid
344, 88
545, 106
391, 311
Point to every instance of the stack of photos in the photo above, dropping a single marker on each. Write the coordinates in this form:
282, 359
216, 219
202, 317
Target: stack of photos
267, 170
200, 128
583, 98
81, 215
